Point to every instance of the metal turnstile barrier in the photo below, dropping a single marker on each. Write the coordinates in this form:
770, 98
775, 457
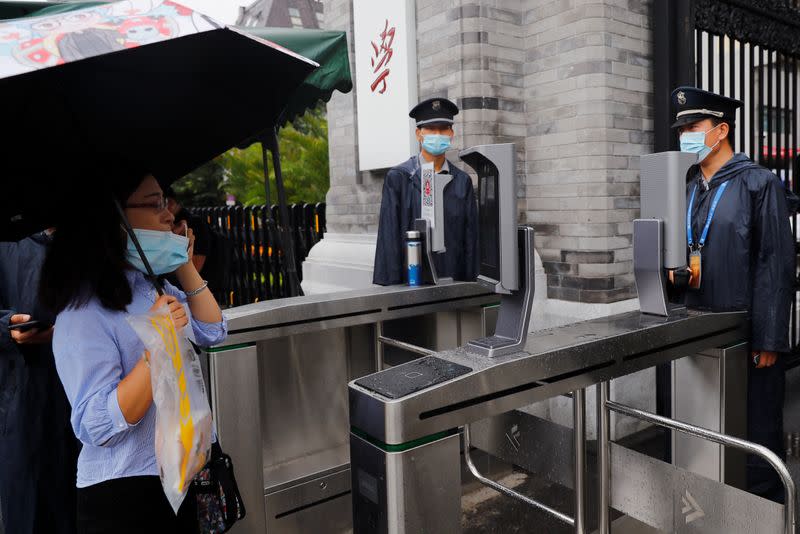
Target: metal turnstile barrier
404, 421
674, 499
579, 469
278, 389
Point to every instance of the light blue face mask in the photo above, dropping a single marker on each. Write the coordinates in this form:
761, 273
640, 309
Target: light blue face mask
164, 250
695, 142
435, 144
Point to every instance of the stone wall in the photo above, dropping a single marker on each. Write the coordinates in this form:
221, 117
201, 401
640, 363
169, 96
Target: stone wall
588, 89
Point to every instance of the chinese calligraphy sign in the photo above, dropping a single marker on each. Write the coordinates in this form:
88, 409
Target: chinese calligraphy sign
382, 56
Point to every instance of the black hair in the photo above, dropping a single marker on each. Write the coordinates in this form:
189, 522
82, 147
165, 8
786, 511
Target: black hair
87, 258
169, 192
731, 137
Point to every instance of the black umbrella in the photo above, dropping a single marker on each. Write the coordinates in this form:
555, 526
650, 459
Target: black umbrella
144, 81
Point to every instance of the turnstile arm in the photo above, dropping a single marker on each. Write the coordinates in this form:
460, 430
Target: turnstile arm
579, 443
703, 433
505, 490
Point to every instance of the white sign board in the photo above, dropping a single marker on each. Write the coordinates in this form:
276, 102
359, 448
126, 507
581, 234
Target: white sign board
386, 81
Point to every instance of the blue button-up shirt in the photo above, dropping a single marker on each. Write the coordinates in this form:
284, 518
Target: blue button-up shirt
95, 348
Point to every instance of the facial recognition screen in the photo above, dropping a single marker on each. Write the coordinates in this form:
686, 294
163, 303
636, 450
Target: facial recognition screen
489, 221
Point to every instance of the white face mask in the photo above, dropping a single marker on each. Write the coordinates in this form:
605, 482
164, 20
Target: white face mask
695, 143
165, 251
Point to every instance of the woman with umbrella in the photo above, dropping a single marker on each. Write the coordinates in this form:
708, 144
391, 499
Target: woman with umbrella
92, 278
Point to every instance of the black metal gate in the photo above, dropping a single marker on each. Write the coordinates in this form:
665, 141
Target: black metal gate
256, 266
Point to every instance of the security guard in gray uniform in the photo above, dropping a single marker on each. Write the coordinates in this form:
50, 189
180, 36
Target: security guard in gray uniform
401, 202
741, 254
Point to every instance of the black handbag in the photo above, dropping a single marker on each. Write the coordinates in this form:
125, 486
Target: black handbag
219, 503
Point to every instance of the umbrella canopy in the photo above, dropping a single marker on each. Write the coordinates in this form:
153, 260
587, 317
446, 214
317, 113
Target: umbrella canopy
15, 10
144, 81
325, 47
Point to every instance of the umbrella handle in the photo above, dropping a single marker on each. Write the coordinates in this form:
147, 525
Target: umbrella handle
127, 225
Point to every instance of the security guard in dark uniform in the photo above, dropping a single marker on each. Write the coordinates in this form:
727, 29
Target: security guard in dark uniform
401, 202
741, 257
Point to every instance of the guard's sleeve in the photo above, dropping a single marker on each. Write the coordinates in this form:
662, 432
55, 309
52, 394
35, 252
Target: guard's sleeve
8, 252
471, 260
388, 269
773, 268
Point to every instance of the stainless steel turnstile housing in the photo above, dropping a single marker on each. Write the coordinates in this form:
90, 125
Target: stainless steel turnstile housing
279, 390
405, 439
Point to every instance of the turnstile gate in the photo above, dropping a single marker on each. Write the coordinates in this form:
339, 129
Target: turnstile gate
405, 429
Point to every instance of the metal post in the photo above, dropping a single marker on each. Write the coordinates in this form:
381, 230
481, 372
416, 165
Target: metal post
603, 460
673, 63
673, 66
378, 346
416, 349
579, 447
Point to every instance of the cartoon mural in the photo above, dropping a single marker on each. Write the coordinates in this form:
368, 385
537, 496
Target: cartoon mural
36, 42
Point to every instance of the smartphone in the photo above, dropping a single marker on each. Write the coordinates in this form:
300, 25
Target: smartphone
24, 327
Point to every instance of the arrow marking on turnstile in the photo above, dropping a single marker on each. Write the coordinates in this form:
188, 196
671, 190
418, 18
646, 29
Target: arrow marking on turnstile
691, 508
514, 437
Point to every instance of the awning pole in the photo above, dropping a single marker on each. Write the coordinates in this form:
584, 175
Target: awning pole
293, 282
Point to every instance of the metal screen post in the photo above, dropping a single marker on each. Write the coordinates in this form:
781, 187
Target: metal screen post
603, 460
579, 439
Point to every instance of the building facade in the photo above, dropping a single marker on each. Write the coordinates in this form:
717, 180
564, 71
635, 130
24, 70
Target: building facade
283, 14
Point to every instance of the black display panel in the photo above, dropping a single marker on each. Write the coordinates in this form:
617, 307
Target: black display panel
489, 221
411, 377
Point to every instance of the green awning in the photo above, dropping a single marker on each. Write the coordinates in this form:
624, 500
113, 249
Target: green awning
328, 48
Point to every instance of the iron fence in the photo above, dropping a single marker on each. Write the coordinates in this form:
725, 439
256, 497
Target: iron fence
249, 238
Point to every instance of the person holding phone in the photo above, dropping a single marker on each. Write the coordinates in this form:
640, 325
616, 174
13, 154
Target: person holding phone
38, 452
93, 278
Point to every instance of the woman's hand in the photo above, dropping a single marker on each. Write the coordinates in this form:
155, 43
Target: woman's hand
176, 310
184, 230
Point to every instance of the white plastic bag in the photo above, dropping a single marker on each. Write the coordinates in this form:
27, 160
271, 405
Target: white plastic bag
183, 417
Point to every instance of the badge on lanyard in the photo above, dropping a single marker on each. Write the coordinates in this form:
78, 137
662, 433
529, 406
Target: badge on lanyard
695, 249
695, 268
427, 210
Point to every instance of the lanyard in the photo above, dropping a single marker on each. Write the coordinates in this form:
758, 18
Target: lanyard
711, 211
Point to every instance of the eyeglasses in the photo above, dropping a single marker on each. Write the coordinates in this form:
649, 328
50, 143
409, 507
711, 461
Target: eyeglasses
159, 206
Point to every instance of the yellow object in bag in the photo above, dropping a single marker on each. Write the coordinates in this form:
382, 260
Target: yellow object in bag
183, 416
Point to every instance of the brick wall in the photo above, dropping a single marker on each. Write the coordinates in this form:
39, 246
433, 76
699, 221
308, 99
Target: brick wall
588, 89
568, 81
353, 201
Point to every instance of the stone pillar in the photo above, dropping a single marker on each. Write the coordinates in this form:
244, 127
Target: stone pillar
588, 88
344, 258
588, 95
